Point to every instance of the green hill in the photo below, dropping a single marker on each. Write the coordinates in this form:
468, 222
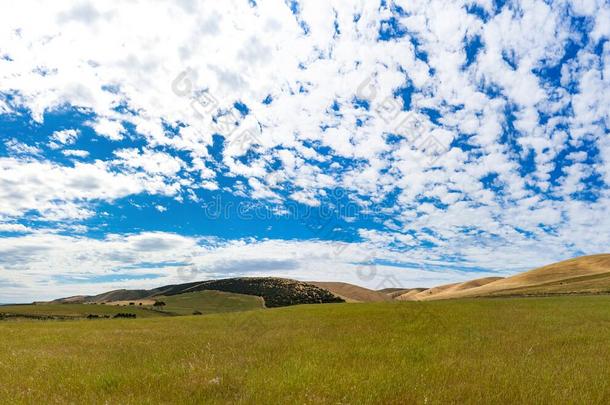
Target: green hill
210, 302
276, 292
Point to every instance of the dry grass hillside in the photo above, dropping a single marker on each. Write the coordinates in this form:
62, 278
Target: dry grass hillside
397, 292
410, 294
448, 289
581, 275
351, 292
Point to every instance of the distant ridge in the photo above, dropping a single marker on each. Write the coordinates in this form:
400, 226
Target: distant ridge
351, 292
581, 275
276, 292
432, 293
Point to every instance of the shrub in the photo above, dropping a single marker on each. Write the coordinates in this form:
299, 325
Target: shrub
124, 315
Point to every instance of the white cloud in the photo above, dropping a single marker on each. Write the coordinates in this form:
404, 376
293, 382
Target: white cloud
65, 137
19, 148
75, 153
112, 130
150, 162
7, 227
58, 192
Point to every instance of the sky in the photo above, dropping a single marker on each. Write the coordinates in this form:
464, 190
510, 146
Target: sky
383, 143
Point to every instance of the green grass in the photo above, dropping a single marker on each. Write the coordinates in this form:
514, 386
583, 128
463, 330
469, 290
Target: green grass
521, 350
76, 310
210, 302
206, 302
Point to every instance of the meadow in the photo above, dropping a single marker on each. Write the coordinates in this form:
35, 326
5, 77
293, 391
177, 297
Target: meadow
199, 302
210, 302
76, 310
501, 350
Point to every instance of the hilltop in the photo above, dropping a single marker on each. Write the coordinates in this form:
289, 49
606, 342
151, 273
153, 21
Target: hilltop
276, 292
581, 275
351, 292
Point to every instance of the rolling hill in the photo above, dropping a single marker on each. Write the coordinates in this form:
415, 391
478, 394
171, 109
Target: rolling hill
210, 302
431, 293
351, 292
408, 294
397, 292
276, 292
581, 275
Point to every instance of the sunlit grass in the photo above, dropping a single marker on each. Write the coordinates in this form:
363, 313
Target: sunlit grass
533, 350
210, 302
76, 310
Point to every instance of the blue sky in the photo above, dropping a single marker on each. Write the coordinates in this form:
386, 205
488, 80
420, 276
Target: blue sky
388, 143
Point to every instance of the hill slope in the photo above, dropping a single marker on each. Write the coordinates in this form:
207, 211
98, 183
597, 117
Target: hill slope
276, 292
447, 289
210, 302
581, 275
351, 292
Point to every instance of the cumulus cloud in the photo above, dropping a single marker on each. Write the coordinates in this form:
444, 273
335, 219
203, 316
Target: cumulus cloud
58, 192
75, 153
64, 137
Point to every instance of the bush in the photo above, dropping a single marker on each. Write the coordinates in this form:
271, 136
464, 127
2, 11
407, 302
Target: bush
124, 315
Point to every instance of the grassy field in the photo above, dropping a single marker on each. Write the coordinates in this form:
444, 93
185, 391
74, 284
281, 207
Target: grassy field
206, 302
76, 310
519, 350
210, 302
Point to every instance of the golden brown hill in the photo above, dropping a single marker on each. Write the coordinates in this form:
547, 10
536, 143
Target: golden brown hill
397, 292
351, 292
432, 293
427, 293
410, 294
581, 275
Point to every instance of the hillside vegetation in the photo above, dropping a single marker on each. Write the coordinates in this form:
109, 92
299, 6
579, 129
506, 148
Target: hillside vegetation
276, 292
210, 302
518, 350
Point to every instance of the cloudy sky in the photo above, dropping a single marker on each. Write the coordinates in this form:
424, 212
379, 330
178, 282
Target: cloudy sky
383, 143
